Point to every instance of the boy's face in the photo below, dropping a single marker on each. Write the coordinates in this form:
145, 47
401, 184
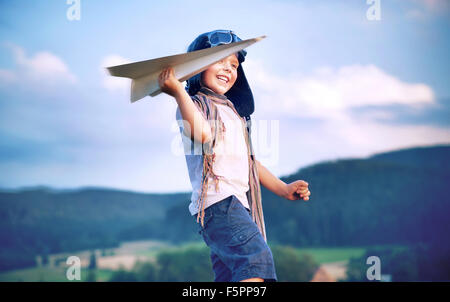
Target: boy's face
221, 76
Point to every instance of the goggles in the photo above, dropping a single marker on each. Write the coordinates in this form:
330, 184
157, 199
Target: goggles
219, 37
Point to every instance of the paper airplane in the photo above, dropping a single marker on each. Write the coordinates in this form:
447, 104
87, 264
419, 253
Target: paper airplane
144, 74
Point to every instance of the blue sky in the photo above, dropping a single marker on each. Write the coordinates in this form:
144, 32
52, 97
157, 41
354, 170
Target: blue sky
332, 83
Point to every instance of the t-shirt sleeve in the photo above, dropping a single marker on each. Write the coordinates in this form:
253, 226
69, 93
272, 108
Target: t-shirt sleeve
199, 104
179, 120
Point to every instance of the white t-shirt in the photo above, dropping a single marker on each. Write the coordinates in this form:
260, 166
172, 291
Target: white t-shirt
231, 162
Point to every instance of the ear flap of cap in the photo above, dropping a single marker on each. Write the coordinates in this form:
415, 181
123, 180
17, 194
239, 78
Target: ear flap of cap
193, 84
241, 95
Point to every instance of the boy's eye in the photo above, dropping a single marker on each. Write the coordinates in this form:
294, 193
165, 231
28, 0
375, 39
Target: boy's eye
235, 66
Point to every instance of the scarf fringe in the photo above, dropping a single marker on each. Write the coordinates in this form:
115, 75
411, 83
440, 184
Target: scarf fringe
209, 110
208, 163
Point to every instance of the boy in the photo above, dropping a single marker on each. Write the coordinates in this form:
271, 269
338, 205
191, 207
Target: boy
215, 108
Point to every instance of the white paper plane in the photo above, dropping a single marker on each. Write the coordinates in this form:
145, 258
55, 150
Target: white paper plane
144, 74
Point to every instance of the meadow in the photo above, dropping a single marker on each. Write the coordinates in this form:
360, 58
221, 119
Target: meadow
321, 255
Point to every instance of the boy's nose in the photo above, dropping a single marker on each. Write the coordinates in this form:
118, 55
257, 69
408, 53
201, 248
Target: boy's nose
227, 67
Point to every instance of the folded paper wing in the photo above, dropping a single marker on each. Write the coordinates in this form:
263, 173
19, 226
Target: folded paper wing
145, 74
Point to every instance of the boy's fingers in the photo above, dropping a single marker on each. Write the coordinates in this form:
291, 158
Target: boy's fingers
304, 193
302, 187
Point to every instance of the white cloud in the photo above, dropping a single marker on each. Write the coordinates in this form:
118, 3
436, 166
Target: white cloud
436, 5
316, 123
7, 76
428, 8
329, 91
43, 68
302, 144
114, 84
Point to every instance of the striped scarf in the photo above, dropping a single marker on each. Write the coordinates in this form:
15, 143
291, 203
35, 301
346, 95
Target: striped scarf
206, 101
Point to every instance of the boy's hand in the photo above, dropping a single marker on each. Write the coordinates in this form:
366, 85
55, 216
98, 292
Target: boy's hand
297, 190
168, 83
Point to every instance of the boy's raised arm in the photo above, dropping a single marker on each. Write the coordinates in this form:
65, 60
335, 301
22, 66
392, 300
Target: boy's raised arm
197, 127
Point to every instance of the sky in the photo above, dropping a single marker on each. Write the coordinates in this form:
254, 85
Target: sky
332, 80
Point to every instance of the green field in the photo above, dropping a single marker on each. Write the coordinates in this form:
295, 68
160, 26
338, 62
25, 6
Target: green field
335, 254
46, 274
58, 274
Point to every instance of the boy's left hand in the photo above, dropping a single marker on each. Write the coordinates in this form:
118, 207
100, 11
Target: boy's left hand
297, 190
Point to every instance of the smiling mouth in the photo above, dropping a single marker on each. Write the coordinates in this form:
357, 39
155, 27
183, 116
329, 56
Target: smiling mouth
223, 79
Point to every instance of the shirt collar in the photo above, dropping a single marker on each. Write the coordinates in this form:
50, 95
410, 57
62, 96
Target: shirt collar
209, 92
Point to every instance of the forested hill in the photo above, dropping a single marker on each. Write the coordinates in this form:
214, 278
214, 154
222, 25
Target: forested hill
425, 157
44, 220
397, 197
394, 197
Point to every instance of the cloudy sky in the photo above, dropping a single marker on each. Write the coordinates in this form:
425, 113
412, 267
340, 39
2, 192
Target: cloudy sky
328, 83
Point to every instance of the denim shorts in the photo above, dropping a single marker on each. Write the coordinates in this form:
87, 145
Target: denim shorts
238, 250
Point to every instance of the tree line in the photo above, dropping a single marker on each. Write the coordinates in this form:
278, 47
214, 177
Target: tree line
396, 198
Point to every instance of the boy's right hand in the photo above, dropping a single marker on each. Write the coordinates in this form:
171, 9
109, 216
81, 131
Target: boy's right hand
168, 83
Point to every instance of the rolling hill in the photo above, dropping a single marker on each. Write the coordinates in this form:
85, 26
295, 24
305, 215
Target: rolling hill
396, 197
